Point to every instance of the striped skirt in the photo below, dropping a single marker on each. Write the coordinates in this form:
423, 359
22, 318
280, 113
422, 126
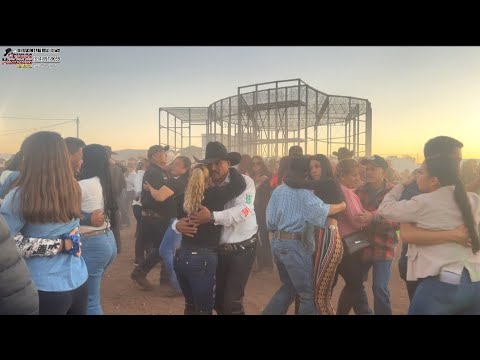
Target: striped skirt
328, 255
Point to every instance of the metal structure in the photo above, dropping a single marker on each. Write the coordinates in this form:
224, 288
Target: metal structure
266, 119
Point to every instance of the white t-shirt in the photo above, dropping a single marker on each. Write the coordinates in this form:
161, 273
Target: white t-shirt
130, 180
138, 185
92, 199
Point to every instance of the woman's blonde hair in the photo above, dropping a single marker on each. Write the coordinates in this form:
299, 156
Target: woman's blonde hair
197, 183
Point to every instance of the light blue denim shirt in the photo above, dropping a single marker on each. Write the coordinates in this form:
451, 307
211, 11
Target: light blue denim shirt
295, 211
8, 182
62, 272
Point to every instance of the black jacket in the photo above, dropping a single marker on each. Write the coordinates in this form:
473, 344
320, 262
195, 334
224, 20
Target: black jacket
18, 294
215, 198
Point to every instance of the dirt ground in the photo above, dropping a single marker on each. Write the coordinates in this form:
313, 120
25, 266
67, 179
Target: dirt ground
121, 296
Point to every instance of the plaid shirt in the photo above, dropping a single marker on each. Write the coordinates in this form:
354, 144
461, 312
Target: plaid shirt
382, 231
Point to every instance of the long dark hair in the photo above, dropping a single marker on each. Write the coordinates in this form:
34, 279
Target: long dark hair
49, 191
283, 168
327, 171
95, 163
445, 170
263, 167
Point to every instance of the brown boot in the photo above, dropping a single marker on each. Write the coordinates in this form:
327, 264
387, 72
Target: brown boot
141, 279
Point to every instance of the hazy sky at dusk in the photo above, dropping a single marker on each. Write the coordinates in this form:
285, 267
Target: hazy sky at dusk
416, 92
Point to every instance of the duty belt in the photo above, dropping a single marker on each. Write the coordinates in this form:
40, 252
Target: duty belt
225, 248
150, 213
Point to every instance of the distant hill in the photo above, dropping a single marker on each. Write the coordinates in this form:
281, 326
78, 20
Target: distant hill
192, 150
188, 151
128, 153
5, 156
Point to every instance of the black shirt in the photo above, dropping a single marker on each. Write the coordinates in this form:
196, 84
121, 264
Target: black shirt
178, 186
157, 178
328, 190
215, 198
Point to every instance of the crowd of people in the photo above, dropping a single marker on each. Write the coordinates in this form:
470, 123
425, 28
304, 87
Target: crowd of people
210, 222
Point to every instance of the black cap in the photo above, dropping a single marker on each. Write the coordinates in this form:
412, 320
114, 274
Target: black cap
155, 149
376, 161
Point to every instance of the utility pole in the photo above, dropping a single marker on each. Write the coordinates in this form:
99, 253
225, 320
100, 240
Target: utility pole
78, 127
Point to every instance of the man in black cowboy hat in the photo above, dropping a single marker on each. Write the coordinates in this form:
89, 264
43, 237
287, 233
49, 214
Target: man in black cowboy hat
343, 153
156, 215
236, 252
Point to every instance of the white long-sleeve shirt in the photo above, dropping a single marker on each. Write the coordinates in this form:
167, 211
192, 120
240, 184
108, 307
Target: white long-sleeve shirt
436, 210
238, 219
130, 180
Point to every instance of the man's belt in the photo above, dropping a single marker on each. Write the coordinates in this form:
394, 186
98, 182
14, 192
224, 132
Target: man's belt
240, 246
94, 233
153, 214
282, 235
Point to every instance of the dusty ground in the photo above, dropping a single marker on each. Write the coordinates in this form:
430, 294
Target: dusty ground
120, 295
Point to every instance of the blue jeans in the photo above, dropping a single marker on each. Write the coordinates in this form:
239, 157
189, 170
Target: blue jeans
295, 267
171, 241
140, 247
196, 271
98, 252
433, 297
381, 278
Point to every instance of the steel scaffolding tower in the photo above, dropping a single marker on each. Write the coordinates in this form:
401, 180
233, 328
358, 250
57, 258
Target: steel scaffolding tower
267, 118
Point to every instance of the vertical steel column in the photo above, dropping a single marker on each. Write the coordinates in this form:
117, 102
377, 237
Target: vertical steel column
175, 132
276, 119
268, 125
368, 130
239, 123
306, 120
181, 133
190, 126
159, 125
315, 129
207, 124
215, 121
285, 150
230, 123
298, 117
221, 122
329, 130
168, 128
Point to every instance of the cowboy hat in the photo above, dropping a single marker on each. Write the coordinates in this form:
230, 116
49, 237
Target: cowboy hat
216, 151
343, 153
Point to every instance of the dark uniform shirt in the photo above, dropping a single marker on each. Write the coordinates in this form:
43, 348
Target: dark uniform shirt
157, 178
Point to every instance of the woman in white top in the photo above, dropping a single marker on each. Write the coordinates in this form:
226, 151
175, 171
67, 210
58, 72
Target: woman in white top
449, 272
98, 243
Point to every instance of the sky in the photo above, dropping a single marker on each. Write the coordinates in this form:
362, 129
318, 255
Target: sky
416, 93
